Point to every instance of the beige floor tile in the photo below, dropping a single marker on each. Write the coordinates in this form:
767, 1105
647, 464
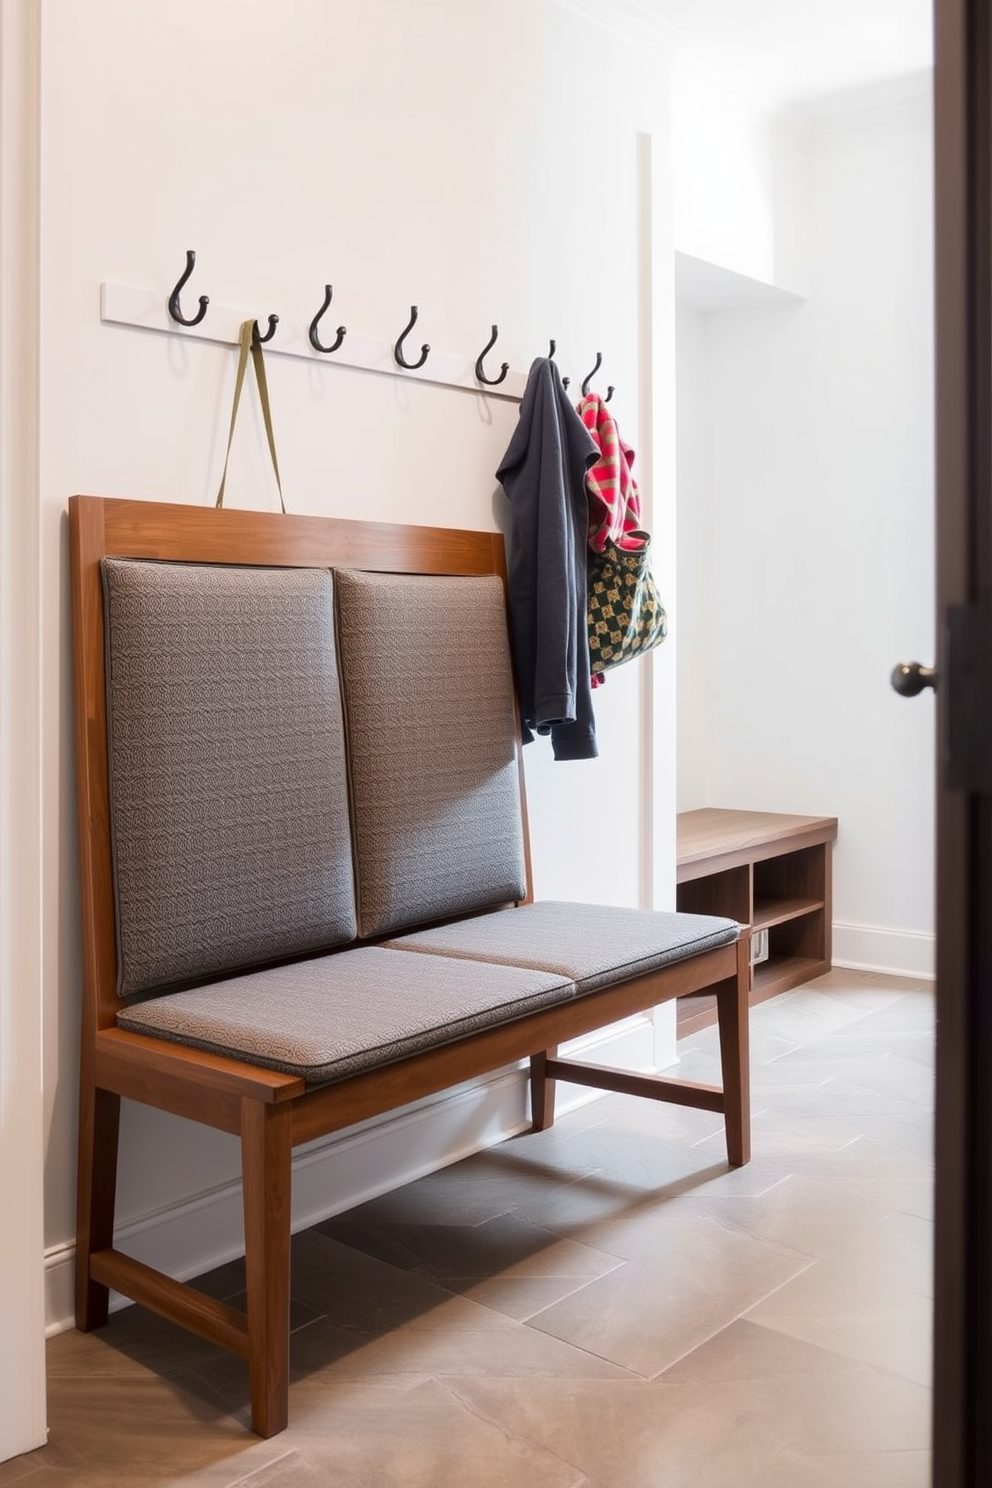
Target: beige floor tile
766, 1046
896, 1345
352, 1290
699, 1061
789, 1469
882, 1469
500, 1348
871, 1040
277, 1463
813, 1216
713, 1435
634, 1161
794, 1139
865, 989
387, 1435
635, 1436
866, 1157
140, 1432
507, 1264
747, 1351
905, 1079
521, 1297
698, 1275
853, 1411
838, 1097
802, 1016
426, 1437
135, 1343
507, 1245
902, 1195
859, 1284
326, 1356
492, 1182
671, 1123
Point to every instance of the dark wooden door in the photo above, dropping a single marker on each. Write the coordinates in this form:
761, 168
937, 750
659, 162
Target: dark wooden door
962, 1419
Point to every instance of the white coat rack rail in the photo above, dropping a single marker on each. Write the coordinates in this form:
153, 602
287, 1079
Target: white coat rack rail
121, 304
151, 310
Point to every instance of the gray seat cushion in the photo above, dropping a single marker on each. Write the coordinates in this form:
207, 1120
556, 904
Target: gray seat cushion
336, 1015
593, 945
432, 758
228, 790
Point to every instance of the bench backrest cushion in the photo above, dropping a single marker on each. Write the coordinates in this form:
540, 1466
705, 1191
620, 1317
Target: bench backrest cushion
432, 746
228, 788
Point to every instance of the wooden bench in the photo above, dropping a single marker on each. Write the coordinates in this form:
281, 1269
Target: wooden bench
305, 881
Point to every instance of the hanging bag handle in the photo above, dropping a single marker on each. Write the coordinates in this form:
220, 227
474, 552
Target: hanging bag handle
248, 341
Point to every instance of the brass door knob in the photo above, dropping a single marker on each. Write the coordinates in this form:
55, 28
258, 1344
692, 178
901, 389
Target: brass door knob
910, 678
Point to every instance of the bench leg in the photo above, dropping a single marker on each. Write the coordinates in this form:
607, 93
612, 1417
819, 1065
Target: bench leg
96, 1191
266, 1155
542, 1091
732, 1013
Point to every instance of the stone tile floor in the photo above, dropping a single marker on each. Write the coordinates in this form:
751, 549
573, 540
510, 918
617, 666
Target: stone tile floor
604, 1305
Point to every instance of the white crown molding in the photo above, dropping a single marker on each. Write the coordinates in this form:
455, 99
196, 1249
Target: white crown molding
632, 20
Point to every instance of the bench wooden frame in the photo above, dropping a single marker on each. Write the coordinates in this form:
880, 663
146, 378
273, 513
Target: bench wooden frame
270, 1112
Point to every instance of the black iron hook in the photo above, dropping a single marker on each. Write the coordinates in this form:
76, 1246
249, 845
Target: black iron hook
552, 344
609, 393
587, 380
398, 348
273, 322
504, 366
315, 340
174, 309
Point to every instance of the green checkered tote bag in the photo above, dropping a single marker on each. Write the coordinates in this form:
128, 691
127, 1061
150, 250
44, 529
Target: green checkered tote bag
626, 616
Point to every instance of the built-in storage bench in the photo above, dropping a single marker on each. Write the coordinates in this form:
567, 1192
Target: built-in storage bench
769, 870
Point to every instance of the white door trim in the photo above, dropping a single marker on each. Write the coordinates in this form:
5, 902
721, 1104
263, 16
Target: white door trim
22, 1321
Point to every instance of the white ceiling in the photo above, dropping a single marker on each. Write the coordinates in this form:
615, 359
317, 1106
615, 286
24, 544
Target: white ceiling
800, 51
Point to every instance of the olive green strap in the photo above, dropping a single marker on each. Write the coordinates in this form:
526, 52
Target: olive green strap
249, 342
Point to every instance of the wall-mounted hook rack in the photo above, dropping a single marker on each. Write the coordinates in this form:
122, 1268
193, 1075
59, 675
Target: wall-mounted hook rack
146, 310
151, 310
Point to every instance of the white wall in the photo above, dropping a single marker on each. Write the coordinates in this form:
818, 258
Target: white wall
740, 182
426, 154
818, 509
692, 442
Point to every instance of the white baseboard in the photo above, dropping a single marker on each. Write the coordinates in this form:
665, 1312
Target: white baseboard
890, 952
338, 1173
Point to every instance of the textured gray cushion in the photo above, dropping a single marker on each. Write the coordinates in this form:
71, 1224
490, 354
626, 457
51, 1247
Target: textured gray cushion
335, 1015
594, 945
428, 697
231, 844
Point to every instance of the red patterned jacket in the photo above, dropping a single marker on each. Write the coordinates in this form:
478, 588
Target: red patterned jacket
614, 502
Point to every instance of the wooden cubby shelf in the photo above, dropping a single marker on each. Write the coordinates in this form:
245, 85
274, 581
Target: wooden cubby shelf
769, 870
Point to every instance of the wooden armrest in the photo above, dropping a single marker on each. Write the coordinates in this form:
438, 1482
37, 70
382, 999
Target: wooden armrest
116, 1048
